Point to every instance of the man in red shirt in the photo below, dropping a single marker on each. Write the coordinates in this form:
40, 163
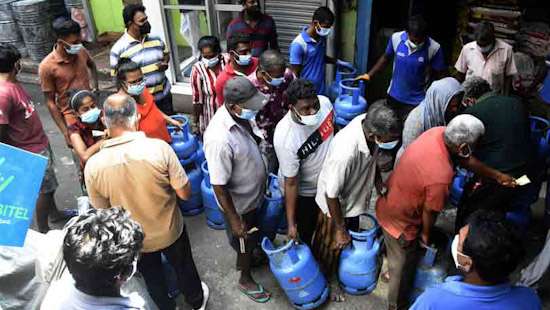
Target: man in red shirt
417, 191
20, 126
241, 63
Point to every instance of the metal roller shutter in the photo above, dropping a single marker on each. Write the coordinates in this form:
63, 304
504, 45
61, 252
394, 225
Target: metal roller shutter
290, 16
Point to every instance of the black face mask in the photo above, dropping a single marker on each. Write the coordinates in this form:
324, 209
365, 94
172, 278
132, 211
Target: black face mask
145, 28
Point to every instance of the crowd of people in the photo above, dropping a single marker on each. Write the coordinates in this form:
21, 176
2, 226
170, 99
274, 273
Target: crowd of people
257, 115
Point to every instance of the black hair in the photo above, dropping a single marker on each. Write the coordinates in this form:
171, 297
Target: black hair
484, 31
210, 41
416, 26
130, 11
9, 55
236, 39
64, 27
272, 59
323, 15
494, 245
124, 66
100, 247
300, 89
77, 95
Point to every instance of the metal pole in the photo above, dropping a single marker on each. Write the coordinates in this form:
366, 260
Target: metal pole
89, 19
362, 34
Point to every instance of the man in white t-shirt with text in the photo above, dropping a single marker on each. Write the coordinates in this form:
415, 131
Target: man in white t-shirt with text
301, 141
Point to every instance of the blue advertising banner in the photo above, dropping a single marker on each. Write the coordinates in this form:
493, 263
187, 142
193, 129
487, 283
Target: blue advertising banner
21, 175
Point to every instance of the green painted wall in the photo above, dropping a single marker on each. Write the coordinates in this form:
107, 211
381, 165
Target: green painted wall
107, 15
348, 21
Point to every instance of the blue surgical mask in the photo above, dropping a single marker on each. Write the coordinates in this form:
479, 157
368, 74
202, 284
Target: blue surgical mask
275, 82
91, 116
73, 49
248, 114
323, 32
212, 62
243, 60
387, 145
136, 89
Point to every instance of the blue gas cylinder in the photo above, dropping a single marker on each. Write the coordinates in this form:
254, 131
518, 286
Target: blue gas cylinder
193, 205
350, 102
358, 269
428, 274
298, 274
344, 70
183, 142
457, 188
271, 212
540, 135
214, 216
200, 154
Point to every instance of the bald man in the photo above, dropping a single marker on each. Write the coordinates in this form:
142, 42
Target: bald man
144, 176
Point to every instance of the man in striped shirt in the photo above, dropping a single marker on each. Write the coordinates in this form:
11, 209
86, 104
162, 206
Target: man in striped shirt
261, 27
148, 51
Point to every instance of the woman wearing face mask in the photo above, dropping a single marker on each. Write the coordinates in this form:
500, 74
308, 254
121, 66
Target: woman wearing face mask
203, 80
88, 132
440, 105
152, 121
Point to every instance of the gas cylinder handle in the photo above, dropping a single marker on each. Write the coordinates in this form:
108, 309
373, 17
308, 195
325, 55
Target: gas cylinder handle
292, 253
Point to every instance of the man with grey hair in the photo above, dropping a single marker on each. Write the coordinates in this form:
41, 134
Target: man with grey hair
351, 179
272, 79
417, 191
238, 174
474, 88
145, 176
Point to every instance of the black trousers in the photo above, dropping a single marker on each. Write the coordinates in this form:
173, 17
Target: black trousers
307, 212
166, 105
251, 243
179, 256
402, 109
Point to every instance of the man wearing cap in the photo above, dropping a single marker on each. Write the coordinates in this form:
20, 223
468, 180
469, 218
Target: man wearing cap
238, 173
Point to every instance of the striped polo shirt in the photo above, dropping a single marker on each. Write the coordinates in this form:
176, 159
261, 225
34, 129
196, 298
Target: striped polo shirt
147, 54
262, 36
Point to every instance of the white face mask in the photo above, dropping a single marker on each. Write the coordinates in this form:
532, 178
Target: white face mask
454, 253
309, 120
486, 49
323, 32
212, 62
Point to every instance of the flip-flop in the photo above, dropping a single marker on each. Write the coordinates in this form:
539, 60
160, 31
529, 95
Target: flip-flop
252, 294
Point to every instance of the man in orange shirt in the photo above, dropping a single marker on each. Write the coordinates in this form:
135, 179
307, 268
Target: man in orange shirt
417, 191
65, 68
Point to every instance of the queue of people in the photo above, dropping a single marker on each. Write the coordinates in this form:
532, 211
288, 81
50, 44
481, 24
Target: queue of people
257, 115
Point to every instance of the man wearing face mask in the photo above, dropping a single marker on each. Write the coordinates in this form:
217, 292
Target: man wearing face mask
241, 63
65, 68
307, 52
148, 51
272, 79
489, 58
486, 251
417, 191
417, 58
351, 179
20, 126
98, 266
505, 147
302, 139
261, 27
238, 174
145, 176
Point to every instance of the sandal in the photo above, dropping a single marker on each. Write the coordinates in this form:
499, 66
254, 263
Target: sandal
259, 296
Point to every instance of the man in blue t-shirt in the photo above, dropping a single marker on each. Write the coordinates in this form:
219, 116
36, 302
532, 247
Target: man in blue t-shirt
487, 250
308, 50
416, 58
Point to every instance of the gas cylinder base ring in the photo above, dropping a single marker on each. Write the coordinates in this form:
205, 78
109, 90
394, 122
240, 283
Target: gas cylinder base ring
192, 212
215, 226
353, 291
315, 304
